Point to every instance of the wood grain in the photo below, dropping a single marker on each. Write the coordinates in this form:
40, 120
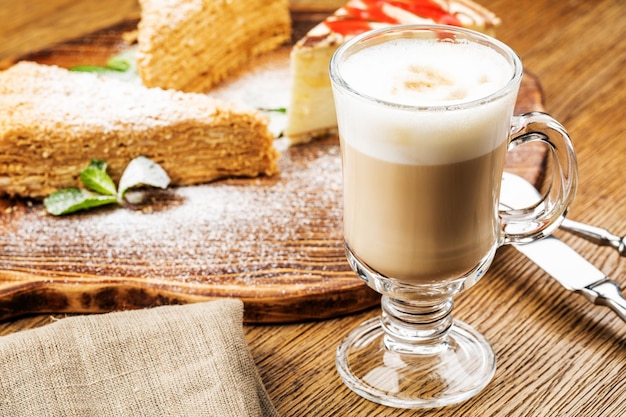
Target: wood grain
30, 25
557, 355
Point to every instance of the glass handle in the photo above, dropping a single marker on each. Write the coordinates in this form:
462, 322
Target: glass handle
541, 219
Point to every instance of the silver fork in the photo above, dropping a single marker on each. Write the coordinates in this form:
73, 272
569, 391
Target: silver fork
596, 235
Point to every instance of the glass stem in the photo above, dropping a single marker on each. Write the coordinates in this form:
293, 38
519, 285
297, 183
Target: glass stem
417, 327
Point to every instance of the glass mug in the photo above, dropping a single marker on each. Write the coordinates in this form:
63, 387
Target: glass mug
425, 116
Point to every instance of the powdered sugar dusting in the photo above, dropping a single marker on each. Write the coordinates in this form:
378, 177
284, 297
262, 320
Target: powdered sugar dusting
237, 233
172, 12
90, 106
266, 86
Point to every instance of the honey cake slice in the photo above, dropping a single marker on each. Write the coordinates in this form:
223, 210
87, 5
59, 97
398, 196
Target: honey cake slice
54, 121
191, 45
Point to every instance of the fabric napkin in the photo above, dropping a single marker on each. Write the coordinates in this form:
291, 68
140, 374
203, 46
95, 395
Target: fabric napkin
189, 360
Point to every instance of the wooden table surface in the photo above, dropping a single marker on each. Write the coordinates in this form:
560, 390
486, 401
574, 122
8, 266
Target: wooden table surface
558, 355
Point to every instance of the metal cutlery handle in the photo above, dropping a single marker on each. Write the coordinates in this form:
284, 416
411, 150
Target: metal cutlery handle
607, 293
595, 234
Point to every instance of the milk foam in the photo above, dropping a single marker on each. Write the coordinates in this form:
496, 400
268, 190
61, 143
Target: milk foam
425, 73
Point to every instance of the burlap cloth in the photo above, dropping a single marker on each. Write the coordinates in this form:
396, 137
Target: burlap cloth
187, 360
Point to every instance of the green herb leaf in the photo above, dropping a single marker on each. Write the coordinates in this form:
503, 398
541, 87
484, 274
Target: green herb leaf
142, 171
119, 63
96, 179
282, 110
70, 200
90, 68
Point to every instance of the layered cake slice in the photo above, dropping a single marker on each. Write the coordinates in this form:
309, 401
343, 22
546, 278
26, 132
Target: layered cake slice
312, 110
190, 45
53, 122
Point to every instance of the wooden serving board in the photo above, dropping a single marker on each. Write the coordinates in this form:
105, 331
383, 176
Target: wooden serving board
276, 243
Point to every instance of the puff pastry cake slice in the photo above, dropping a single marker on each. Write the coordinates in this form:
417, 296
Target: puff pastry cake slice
53, 122
190, 45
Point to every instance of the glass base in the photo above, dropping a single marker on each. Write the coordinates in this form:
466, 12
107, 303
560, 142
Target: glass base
449, 373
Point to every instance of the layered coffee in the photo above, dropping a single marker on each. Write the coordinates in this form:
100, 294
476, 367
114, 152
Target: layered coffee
423, 146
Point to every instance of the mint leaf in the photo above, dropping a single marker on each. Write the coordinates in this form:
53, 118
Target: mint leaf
70, 200
119, 63
96, 179
90, 68
101, 188
142, 171
282, 110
